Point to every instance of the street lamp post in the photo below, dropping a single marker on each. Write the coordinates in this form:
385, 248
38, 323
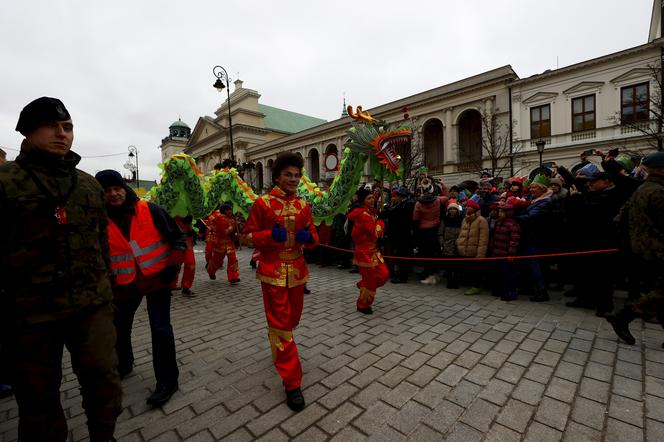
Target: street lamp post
221, 75
133, 152
540, 150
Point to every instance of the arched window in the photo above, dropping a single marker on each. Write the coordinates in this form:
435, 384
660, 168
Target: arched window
432, 134
314, 165
470, 140
259, 176
270, 163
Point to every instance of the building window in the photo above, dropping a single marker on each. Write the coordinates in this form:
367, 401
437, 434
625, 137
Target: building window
634, 103
583, 113
540, 121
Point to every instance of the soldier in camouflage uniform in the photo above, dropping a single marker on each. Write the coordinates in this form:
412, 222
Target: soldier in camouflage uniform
643, 219
54, 285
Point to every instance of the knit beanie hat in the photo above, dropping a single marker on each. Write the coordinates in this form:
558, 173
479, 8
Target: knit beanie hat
588, 170
452, 204
110, 178
40, 111
472, 204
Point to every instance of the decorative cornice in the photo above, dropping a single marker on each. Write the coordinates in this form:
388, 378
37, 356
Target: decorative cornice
540, 97
631, 75
584, 86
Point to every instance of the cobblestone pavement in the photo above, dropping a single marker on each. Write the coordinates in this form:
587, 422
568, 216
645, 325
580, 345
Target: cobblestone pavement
429, 364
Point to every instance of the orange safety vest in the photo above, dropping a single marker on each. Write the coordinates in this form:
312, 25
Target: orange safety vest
146, 247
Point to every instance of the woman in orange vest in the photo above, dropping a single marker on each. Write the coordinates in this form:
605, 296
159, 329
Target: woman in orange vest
220, 244
279, 226
146, 250
366, 231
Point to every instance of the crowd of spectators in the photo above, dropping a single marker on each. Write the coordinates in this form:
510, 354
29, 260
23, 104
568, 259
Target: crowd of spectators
554, 211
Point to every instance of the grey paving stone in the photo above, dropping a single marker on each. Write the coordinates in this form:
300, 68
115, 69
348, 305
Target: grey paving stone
302, 420
452, 375
464, 393
632, 371
580, 433
375, 417
386, 433
655, 408
497, 391
339, 418
432, 394
626, 410
480, 415
480, 374
401, 394
529, 392
409, 417
443, 416
595, 390
627, 387
539, 373
337, 396
541, 433
312, 434
349, 434
597, 371
464, 433
370, 394
511, 373
569, 371
499, 433
654, 430
424, 433
561, 389
553, 413
516, 415
394, 376
621, 431
589, 413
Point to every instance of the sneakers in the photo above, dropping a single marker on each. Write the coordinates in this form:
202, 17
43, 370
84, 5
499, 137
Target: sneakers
365, 310
622, 330
161, 395
430, 280
294, 399
188, 293
473, 291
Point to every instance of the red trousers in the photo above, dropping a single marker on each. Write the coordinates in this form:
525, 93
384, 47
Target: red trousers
283, 309
372, 278
189, 270
216, 260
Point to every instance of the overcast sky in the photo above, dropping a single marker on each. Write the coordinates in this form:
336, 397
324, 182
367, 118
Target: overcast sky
127, 69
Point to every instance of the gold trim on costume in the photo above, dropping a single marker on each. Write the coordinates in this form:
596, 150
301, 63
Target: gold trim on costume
273, 335
367, 296
290, 254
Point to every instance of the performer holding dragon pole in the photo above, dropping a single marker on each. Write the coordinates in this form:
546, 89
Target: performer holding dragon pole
366, 231
279, 226
219, 243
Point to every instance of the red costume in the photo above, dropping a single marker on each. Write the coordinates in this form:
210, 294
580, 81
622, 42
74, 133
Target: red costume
366, 230
283, 273
219, 244
189, 259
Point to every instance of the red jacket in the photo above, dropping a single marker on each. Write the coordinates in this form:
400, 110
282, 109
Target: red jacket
366, 231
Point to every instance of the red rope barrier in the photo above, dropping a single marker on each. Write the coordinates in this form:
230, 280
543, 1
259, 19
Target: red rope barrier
493, 258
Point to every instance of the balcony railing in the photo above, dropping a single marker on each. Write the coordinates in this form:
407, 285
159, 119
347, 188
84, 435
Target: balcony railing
585, 135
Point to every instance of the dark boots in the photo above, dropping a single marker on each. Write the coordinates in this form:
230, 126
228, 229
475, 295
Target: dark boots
541, 295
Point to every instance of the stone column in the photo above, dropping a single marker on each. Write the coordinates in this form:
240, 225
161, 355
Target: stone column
450, 132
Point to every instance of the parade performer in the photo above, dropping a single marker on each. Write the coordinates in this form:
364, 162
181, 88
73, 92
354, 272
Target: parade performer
366, 231
220, 244
279, 226
189, 264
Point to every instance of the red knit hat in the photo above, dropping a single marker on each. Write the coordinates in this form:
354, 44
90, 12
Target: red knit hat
473, 204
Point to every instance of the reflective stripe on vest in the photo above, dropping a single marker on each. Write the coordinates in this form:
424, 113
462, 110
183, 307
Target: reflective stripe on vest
146, 247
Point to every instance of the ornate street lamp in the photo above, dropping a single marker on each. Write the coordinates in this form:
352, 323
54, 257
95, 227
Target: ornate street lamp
540, 150
222, 75
133, 152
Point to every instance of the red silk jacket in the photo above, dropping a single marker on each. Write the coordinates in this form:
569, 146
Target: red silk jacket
366, 230
281, 263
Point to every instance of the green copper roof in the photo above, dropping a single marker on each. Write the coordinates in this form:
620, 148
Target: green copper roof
179, 123
287, 121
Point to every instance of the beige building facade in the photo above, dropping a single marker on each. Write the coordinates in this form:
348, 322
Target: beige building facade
490, 121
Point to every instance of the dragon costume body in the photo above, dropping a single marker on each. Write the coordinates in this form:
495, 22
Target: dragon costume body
184, 190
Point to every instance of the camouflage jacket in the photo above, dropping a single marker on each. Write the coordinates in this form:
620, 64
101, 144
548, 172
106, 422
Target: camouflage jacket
48, 270
643, 218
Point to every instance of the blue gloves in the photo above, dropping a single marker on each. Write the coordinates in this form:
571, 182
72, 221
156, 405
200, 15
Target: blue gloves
279, 234
303, 236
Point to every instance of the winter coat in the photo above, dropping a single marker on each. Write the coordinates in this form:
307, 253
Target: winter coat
536, 221
643, 216
594, 214
50, 271
506, 237
399, 221
448, 232
473, 237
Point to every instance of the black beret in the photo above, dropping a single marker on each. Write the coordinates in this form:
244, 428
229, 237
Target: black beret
40, 111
